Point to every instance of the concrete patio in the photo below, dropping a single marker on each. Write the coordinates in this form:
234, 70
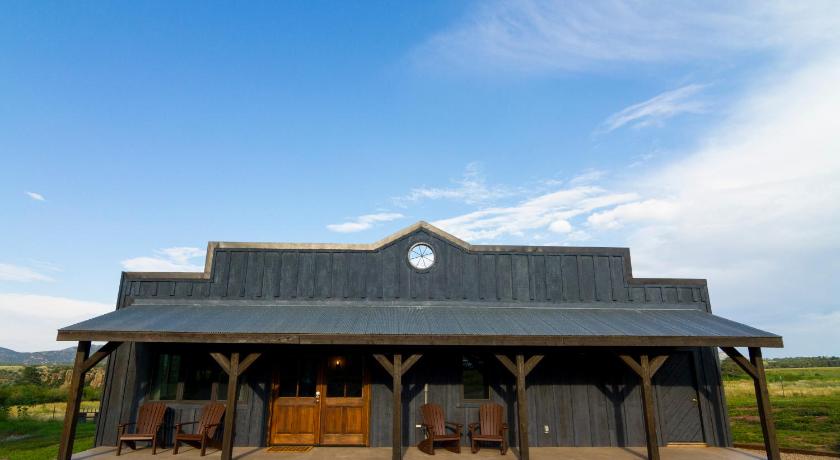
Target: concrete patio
384, 453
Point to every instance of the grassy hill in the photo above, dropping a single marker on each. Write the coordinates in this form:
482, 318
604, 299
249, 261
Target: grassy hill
65, 356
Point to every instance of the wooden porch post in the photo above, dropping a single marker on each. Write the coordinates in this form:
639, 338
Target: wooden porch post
396, 427
397, 368
647, 403
233, 381
234, 368
81, 365
522, 407
754, 367
765, 412
74, 399
520, 370
646, 368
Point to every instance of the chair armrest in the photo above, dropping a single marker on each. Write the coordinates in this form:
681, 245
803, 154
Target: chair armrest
178, 426
456, 427
473, 426
209, 425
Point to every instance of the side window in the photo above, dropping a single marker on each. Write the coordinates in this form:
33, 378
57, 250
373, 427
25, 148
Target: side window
188, 377
474, 378
166, 377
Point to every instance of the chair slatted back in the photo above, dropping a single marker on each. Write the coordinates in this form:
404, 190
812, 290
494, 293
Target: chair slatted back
491, 416
150, 418
211, 414
433, 418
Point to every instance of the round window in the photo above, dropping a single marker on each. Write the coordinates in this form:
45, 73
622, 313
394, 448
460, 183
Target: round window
421, 256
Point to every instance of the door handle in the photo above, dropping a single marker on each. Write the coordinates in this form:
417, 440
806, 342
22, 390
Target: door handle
694, 400
317, 397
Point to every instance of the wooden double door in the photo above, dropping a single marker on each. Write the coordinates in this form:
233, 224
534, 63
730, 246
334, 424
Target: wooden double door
320, 399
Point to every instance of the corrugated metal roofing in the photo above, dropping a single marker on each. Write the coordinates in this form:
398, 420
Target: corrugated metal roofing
370, 321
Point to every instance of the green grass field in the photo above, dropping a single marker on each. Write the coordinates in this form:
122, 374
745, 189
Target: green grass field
32, 439
806, 406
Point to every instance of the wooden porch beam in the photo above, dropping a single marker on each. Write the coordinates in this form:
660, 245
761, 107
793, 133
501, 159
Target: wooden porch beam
385, 363
507, 363
532, 362
74, 399
656, 363
412, 360
223, 361
765, 412
741, 361
633, 364
101, 354
246, 363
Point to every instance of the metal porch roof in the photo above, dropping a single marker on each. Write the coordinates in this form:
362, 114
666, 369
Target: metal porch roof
418, 324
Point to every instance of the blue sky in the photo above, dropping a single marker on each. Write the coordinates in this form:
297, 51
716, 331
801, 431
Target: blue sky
702, 136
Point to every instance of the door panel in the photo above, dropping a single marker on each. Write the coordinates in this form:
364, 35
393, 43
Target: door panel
345, 412
296, 407
345, 422
677, 399
320, 400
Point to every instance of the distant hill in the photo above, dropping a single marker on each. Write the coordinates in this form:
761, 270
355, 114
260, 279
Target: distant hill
64, 356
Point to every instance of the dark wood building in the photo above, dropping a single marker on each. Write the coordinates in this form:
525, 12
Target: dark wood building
315, 338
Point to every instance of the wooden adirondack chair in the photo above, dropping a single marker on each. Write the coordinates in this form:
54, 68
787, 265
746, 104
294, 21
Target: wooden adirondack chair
436, 430
148, 424
208, 422
490, 427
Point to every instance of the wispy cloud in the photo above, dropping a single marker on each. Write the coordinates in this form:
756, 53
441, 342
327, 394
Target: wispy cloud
364, 222
658, 108
550, 211
35, 196
471, 188
9, 272
176, 259
30, 320
550, 36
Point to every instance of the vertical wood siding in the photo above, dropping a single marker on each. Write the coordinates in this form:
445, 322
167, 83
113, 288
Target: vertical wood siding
383, 274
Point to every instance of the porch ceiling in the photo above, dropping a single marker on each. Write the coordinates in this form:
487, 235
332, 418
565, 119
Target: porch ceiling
417, 324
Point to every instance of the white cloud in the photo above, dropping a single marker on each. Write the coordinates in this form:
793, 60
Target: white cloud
541, 37
657, 108
176, 259
550, 211
30, 321
364, 222
35, 196
647, 211
9, 272
471, 188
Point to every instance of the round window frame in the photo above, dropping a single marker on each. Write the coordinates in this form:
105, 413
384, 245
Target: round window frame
418, 269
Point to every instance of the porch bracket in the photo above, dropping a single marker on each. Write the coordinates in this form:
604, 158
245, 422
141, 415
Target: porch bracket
397, 368
520, 371
646, 367
234, 368
754, 366
82, 363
